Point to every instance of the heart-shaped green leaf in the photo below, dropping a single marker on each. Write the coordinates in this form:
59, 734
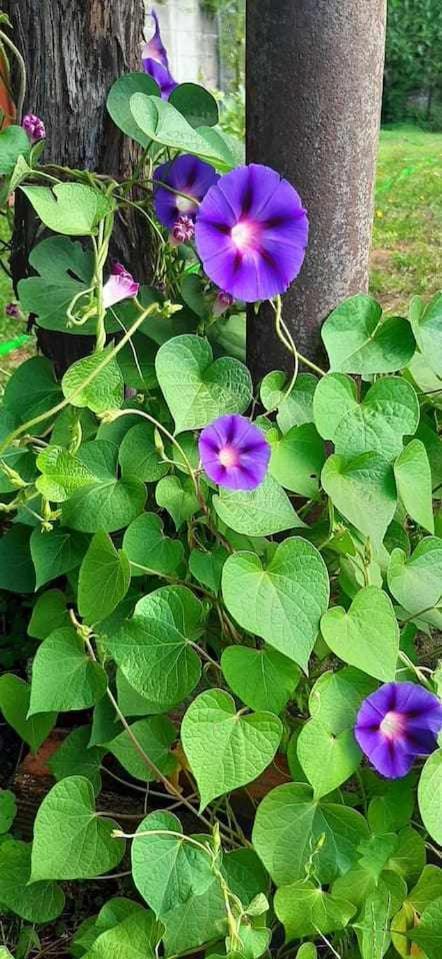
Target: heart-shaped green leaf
289, 823
105, 392
8, 810
36, 902
15, 697
32, 389
388, 412
367, 636
108, 567
196, 104
427, 328
284, 602
161, 122
106, 502
135, 936
358, 340
50, 612
261, 678
167, 870
428, 934
206, 567
14, 142
56, 553
71, 841
197, 388
154, 648
155, 735
225, 749
178, 497
336, 697
413, 480
363, 490
118, 103
304, 908
297, 459
416, 581
294, 409
138, 455
63, 675
147, 548
74, 209
76, 758
326, 759
430, 795
262, 512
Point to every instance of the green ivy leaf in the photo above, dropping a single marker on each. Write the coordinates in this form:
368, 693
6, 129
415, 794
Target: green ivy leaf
104, 579
201, 919
118, 103
62, 474
262, 512
412, 473
70, 208
106, 503
178, 497
14, 142
71, 840
39, 902
155, 736
304, 909
427, 328
63, 675
138, 455
50, 612
196, 104
430, 795
32, 389
379, 907
297, 460
166, 869
197, 388
263, 679
358, 340
308, 950
335, 698
137, 363
15, 697
226, 750
428, 934
16, 567
8, 810
147, 548
367, 636
75, 758
289, 824
55, 553
105, 392
154, 649
295, 583
131, 703
295, 409
427, 888
135, 937
161, 122
207, 567
328, 760
416, 581
363, 490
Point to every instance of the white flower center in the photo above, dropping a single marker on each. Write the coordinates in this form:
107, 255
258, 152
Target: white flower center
184, 204
242, 235
228, 456
392, 724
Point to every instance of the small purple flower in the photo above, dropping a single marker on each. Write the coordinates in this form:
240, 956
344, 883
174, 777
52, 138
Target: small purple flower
183, 230
251, 233
13, 310
222, 303
192, 178
234, 452
397, 723
34, 127
120, 286
155, 61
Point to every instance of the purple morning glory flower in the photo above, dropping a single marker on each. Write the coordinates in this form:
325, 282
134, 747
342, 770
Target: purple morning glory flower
251, 233
34, 127
191, 177
120, 286
397, 723
223, 301
234, 452
155, 61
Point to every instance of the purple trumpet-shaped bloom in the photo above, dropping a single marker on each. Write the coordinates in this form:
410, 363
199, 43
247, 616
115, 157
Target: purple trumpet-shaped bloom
397, 723
34, 127
192, 178
251, 233
120, 286
223, 302
234, 452
155, 61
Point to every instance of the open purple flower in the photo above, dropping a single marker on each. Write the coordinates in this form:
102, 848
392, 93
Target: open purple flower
397, 723
251, 233
192, 178
120, 286
234, 452
34, 127
155, 61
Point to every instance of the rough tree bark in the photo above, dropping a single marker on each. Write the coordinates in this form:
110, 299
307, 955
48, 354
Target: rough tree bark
314, 83
74, 50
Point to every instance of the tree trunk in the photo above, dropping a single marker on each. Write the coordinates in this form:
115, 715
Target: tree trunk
74, 50
314, 82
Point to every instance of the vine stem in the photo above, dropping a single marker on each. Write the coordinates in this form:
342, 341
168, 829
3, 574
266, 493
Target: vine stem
22, 66
422, 679
284, 335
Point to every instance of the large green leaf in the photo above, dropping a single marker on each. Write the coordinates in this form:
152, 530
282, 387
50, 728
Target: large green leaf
154, 648
71, 840
412, 473
198, 388
166, 869
134, 937
297, 459
262, 512
294, 409
147, 548
14, 142
15, 697
139, 456
118, 103
8, 810
63, 675
56, 553
388, 412
108, 569
39, 902
427, 328
290, 824
62, 474
336, 696
32, 389
17, 573
199, 920
304, 909
225, 749
430, 795
155, 735
416, 581
106, 503
261, 678
327, 759
76, 758
178, 497
367, 636
105, 392
284, 602
161, 122
379, 906
363, 490
358, 340
207, 566
49, 613
428, 934
196, 104
74, 209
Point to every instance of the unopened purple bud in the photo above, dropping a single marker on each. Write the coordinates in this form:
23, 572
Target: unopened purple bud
183, 230
34, 127
11, 309
222, 303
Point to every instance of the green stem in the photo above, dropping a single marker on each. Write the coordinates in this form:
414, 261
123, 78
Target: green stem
422, 679
286, 339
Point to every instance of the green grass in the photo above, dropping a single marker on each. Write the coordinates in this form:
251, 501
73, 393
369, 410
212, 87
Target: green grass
407, 252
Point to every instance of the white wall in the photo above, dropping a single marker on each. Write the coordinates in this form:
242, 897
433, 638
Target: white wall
191, 40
